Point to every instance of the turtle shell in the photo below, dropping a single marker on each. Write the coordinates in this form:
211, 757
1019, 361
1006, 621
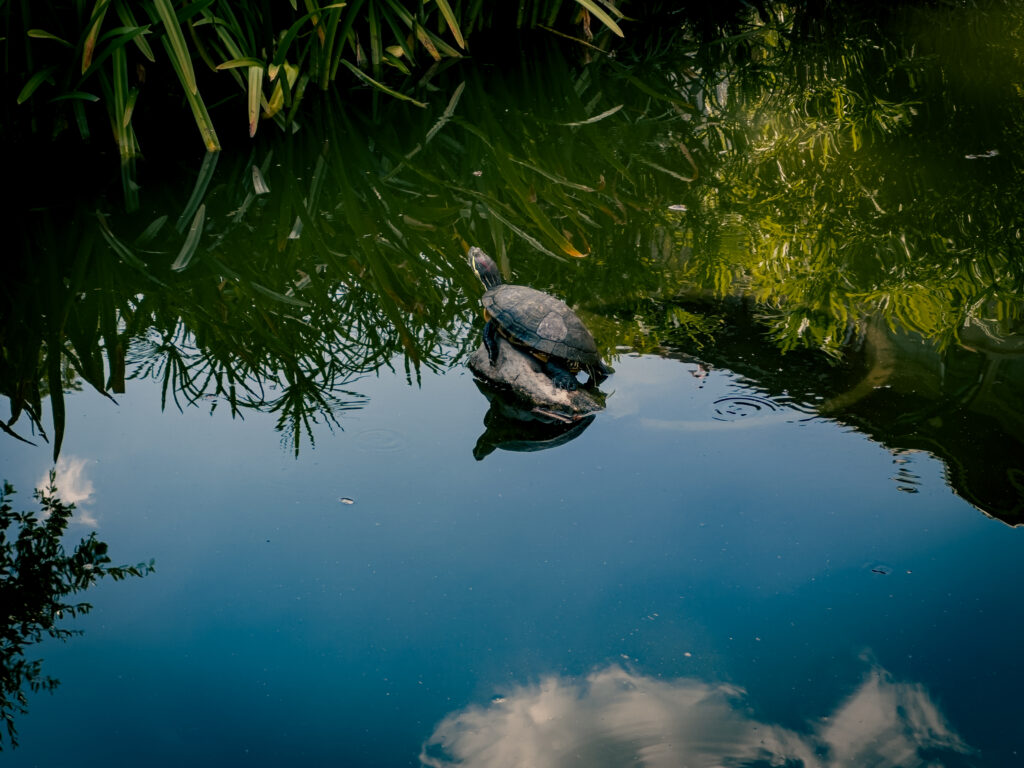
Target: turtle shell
538, 321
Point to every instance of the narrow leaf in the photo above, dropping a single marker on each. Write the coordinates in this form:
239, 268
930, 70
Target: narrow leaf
188, 249
42, 34
177, 43
259, 184
124, 12
453, 24
198, 190
94, 32
380, 86
602, 15
279, 296
243, 62
255, 91
595, 118
40, 77
76, 96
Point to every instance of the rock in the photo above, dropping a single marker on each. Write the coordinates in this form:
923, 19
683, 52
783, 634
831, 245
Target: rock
522, 375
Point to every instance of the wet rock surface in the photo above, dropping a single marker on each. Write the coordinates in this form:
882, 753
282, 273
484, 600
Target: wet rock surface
523, 376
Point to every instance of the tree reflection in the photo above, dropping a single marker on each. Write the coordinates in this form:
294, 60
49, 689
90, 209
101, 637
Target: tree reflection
37, 578
617, 717
837, 171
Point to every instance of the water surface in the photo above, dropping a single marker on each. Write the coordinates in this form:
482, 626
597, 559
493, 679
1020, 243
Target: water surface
791, 537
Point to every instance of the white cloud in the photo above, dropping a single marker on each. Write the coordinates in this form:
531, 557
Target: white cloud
614, 717
73, 487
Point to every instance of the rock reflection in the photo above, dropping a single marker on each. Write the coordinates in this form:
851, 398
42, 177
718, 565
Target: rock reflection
616, 717
511, 425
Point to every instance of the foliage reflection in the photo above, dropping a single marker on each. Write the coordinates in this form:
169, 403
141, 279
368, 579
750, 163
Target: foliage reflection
840, 179
37, 577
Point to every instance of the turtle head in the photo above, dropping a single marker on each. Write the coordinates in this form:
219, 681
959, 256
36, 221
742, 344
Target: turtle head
484, 267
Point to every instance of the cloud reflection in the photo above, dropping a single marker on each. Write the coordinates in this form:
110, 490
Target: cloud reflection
614, 717
73, 487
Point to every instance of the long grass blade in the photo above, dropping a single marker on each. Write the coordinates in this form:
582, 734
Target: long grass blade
151, 231
14, 434
42, 34
255, 92
124, 12
40, 77
206, 171
195, 101
453, 23
56, 384
380, 86
596, 118
598, 11
76, 96
245, 61
290, 300
188, 248
176, 40
95, 22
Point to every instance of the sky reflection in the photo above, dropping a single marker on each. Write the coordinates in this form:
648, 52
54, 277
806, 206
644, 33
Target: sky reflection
617, 717
73, 487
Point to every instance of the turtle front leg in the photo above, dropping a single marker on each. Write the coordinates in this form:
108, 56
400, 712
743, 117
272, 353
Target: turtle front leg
561, 377
491, 341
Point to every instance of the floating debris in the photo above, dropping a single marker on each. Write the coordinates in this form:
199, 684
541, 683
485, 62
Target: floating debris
346, 500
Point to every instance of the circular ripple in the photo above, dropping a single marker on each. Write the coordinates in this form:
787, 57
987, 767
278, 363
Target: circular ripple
736, 407
381, 441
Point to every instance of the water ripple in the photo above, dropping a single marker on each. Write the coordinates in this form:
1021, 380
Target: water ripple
736, 407
381, 440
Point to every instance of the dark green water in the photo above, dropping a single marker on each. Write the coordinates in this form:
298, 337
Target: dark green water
790, 538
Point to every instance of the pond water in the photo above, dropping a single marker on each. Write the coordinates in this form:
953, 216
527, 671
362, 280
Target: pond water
790, 538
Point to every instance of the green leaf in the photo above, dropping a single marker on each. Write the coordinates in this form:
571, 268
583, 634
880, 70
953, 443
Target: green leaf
96, 21
453, 24
124, 12
40, 77
380, 86
76, 96
602, 15
42, 34
255, 92
150, 232
243, 62
203, 179
177, 43
596, 118
278, 296
188, 249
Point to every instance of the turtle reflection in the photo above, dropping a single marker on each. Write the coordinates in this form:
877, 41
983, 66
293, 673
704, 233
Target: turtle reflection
512, 425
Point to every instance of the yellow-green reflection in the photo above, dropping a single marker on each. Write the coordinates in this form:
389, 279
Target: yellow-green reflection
833, 187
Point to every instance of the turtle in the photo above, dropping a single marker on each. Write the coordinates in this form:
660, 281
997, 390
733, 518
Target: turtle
536, 323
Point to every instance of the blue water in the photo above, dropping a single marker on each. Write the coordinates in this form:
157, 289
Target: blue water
669, 586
